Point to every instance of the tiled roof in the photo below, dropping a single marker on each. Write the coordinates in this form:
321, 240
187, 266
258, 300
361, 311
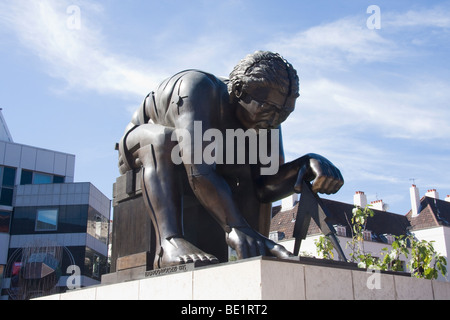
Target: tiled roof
381, 223
283, 221
433, 213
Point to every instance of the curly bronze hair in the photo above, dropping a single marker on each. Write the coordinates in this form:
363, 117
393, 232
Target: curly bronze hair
270, 70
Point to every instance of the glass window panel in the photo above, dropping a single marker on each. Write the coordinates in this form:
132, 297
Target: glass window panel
58, 179
26, 177
9, 176
6, 196
46, 219
42, 178
5, 217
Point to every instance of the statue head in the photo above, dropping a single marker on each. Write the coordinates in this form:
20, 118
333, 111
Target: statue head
268, 78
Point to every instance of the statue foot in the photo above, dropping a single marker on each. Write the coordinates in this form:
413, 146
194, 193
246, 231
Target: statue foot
248, 243
177, 251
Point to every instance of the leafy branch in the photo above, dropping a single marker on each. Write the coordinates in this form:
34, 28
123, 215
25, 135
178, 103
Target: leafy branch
424, 261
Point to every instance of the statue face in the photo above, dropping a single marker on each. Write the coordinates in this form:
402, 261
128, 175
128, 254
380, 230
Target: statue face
259, 108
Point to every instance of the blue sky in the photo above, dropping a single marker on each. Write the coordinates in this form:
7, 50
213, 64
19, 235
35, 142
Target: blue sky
373, 101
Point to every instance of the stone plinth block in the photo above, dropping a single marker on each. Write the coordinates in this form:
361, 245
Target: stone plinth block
266, 279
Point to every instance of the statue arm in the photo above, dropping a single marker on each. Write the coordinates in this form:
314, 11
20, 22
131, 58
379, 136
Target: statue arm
271, 188
200, 108
311, 167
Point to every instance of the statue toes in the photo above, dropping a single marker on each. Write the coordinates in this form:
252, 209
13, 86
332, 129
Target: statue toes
186, 259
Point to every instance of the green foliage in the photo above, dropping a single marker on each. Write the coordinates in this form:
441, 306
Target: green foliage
424, 261
324, 247
358, 226
390, 260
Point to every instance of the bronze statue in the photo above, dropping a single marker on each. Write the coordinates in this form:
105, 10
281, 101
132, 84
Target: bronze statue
175, 135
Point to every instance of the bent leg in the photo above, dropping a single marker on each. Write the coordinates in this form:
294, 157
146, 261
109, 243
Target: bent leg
150, 146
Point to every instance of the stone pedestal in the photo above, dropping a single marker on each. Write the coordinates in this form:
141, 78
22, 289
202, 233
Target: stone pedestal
133, 232
264, 278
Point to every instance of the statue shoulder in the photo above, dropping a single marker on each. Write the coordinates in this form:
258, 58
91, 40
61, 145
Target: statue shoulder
190, 80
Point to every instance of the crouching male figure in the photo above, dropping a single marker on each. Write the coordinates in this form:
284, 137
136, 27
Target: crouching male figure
258, 96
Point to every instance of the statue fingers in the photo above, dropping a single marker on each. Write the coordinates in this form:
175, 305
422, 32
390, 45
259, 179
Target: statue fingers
319, 184
336, 180
300, 178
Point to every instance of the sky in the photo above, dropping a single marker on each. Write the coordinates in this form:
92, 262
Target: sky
374, 79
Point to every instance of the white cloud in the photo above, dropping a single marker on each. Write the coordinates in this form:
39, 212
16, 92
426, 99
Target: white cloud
84, 59
414, 111
337, 45
79, 56
385, 99
438, 17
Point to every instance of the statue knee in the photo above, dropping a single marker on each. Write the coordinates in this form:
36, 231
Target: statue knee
145, 145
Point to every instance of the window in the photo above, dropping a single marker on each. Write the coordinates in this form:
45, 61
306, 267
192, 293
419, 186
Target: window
5, 218
7, 178
98, 227
30, 177
276, 236
6, 197
26, 177
58, 179
367, 235
42, 178
389, 238
341, 230
273, 236
46, 219
96, 266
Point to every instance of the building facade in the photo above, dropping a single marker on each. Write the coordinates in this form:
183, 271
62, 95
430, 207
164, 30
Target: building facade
53, 232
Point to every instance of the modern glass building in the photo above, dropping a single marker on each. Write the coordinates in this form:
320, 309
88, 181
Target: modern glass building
53, 232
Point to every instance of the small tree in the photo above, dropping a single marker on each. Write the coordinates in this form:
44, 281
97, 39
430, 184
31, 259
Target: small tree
358, 226
424, 261
390, 259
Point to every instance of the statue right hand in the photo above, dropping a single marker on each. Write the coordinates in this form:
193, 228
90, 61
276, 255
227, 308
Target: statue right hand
325, 176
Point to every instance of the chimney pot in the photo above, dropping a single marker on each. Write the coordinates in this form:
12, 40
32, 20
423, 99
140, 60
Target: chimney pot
378, 205
432, 193
289, 202
360, 199
415, 200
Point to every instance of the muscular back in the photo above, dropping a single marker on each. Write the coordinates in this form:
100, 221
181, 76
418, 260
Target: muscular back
164, 105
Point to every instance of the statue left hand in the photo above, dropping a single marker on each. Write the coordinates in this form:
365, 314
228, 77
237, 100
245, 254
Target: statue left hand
325, 176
